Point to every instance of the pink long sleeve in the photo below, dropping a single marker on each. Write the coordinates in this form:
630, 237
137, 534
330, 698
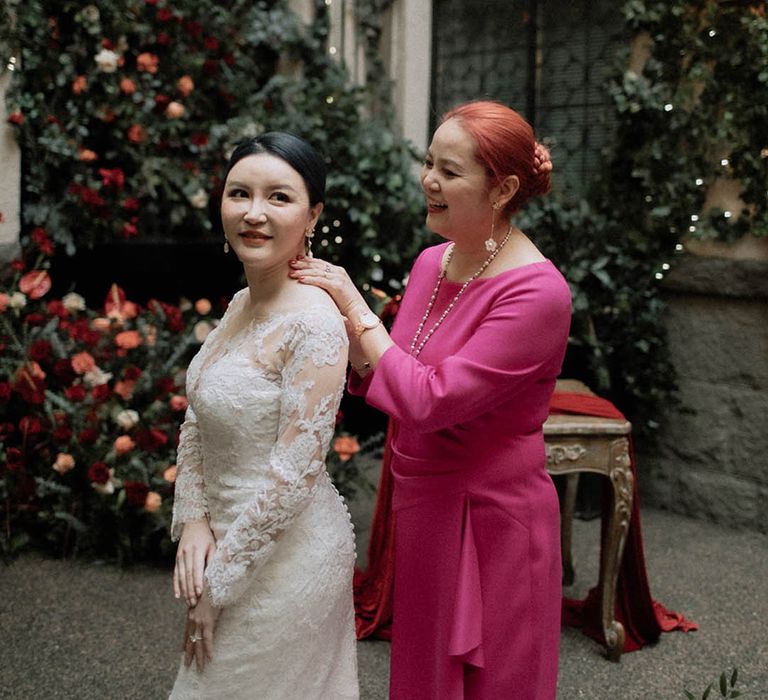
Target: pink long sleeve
517, 342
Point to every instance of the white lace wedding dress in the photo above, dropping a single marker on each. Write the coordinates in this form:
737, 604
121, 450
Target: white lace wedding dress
263, 399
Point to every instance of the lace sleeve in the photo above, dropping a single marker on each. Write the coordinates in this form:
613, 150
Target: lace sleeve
312, 383
189, 501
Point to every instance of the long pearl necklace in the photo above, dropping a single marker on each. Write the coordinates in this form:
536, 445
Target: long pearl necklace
414, 349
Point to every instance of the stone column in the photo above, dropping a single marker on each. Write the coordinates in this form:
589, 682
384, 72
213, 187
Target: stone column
10, 182
410, 67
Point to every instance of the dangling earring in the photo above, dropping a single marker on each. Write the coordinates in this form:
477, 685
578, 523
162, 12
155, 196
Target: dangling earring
490, 243
226, 245
309, 234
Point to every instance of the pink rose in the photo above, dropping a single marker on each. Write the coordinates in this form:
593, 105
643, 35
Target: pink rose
63, 463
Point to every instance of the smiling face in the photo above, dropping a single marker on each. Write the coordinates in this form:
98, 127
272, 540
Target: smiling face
265, 211
457, 186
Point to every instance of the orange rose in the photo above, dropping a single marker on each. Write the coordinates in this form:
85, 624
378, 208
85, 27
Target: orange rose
79, 84
147, 62
87, 155
4, 300
203, 306
174, 110
63, 463
153, 502
346, 446
137, 133
35, 284
127, 86
170, 474
124, 388
83, 362
124, 444
101, 324
185, 85
128, 340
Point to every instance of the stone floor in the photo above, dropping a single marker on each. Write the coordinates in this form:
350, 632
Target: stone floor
85, 631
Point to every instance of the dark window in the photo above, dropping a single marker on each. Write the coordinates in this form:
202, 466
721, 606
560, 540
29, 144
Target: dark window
549, 60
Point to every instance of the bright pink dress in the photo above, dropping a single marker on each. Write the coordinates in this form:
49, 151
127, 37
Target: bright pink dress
477, 547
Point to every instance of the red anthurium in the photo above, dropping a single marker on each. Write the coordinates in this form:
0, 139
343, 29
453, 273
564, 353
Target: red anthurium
35, 284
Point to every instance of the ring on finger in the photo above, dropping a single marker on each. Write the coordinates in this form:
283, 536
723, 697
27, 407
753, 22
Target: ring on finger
195, 638
327, 268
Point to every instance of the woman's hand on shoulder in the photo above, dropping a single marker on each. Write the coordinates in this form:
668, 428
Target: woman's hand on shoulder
334, 279
196, 546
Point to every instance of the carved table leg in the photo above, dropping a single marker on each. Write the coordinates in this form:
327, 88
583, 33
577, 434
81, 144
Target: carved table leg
613, 547
566, 526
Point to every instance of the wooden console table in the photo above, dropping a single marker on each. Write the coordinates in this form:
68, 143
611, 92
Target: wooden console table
575, 444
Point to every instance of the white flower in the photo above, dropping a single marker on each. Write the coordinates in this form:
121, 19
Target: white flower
73, 302
17, 301
201, 330
91, 13
199, 200
96, 377
127, 419
106, 60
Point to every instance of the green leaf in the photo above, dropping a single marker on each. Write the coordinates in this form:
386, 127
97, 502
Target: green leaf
723, 685
734, 677
707, 692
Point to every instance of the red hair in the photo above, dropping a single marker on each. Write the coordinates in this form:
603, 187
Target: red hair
505, 146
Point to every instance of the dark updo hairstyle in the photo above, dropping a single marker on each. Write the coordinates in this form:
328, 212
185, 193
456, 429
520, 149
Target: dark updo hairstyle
505, 146
300, 155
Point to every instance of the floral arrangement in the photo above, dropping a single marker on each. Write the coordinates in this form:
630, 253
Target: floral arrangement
90, 407
148, 97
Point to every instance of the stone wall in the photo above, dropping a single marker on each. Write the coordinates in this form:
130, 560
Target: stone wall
712, 458
9, 182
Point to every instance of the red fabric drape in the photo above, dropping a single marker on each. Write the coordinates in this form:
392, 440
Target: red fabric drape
643, 618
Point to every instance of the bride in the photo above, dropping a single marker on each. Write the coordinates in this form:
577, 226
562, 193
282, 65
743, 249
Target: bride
266, 551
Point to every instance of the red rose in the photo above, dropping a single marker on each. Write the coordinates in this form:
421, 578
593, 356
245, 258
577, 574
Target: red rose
16, 118
5, 391
164, 14
40, 351
63, 433
210, 67
131, 373
129, 231
101, 393
193, 28
31, 389
131, 204
64, 372
88, 436
199, 138
30, 425
211, 43
91, 197
98, 473
112, 177
136, 493
81, 330
75, 393
6, 430
56, 307
40, 238
150, 440
164, 386
229, 59
14, 459
34, 319
162, 39
161, 102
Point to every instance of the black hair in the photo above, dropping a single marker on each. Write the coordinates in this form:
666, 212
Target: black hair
298, 153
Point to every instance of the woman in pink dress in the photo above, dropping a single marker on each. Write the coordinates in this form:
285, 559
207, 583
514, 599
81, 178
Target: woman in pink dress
466, 377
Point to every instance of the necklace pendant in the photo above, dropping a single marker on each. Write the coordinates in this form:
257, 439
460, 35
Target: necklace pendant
490, 245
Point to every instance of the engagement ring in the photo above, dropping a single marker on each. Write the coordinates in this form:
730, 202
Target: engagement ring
195, 638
